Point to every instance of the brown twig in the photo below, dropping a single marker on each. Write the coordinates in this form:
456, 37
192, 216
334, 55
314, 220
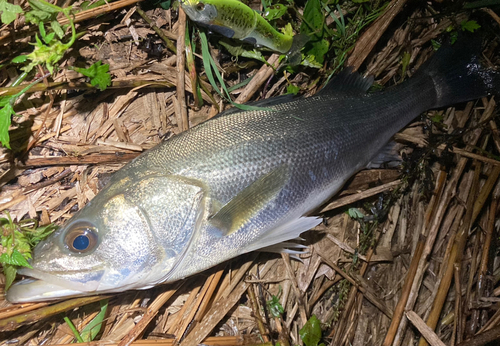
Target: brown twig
148, 316
14, 322
370, 37
181, 67
159, 32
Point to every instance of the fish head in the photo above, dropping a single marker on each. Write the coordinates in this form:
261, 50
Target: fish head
200, 11
130, 236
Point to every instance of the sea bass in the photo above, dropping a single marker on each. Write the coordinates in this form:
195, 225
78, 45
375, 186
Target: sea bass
233, 19
242, 181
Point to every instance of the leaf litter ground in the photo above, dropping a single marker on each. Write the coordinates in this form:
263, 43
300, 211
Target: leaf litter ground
398, 247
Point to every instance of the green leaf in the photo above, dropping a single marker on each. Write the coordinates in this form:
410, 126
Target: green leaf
57, 29
94, 327
9, 11
16, 259
355, 213
313, 18
435, 44
49, 37
20, 59
470, 25
311, 332
313, 25
5, 113
292, 89
275, 307
10, 274
275, 11
98, 75
41, 27
43, 11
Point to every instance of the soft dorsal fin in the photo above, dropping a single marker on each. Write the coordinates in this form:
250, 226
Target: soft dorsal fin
249, 201
347, 82
264, 103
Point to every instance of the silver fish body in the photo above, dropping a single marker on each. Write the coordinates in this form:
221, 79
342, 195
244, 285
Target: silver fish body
242, 181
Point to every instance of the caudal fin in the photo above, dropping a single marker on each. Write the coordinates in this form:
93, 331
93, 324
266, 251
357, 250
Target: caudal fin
457, 73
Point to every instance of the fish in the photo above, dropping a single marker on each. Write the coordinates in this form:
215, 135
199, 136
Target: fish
242, 181
233, 19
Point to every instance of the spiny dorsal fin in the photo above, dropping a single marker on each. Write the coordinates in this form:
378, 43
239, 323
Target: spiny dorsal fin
249, 201
347, 82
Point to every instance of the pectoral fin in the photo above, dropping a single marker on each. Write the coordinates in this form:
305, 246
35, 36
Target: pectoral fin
249, 201
224, 31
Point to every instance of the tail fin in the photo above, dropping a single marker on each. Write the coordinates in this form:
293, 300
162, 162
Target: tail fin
458, 75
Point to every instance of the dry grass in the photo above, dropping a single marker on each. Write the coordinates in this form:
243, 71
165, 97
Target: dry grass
432, 261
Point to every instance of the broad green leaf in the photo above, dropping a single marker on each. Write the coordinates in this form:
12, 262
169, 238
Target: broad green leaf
57, 29
16, 259
470, 25
93, 328
10, 274
41, 27
313, 24
292, 89
20, 59
98, 75
311, 332
355, 213
5, 113
313, 18
9, 11
49, 37
275, 11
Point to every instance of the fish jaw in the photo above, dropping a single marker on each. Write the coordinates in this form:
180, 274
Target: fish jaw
43, 286
32, 290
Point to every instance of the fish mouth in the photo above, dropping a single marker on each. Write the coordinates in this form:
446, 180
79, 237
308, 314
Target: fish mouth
33, 290
43, 286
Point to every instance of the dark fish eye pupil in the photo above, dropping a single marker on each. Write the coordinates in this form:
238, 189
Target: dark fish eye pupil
200, 6
81, 242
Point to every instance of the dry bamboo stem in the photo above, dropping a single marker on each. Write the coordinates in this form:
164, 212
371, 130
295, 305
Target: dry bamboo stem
482, 338
256, 314
369, 39
427, 332
432, 232
14, 322
260, 78
181, 68
217, 340
359, 196
405, 292
474, 206
151, 312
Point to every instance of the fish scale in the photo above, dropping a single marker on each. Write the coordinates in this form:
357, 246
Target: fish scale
242, 181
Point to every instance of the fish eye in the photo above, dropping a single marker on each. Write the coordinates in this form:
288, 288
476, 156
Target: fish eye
81, 237
200, 6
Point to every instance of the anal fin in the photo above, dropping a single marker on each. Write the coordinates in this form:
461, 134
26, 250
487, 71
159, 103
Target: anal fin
284, 232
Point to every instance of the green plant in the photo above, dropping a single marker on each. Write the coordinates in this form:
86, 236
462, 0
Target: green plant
311, 332
17, 240
48, 50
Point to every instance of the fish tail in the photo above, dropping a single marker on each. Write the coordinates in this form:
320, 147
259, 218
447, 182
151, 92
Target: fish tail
458, 74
